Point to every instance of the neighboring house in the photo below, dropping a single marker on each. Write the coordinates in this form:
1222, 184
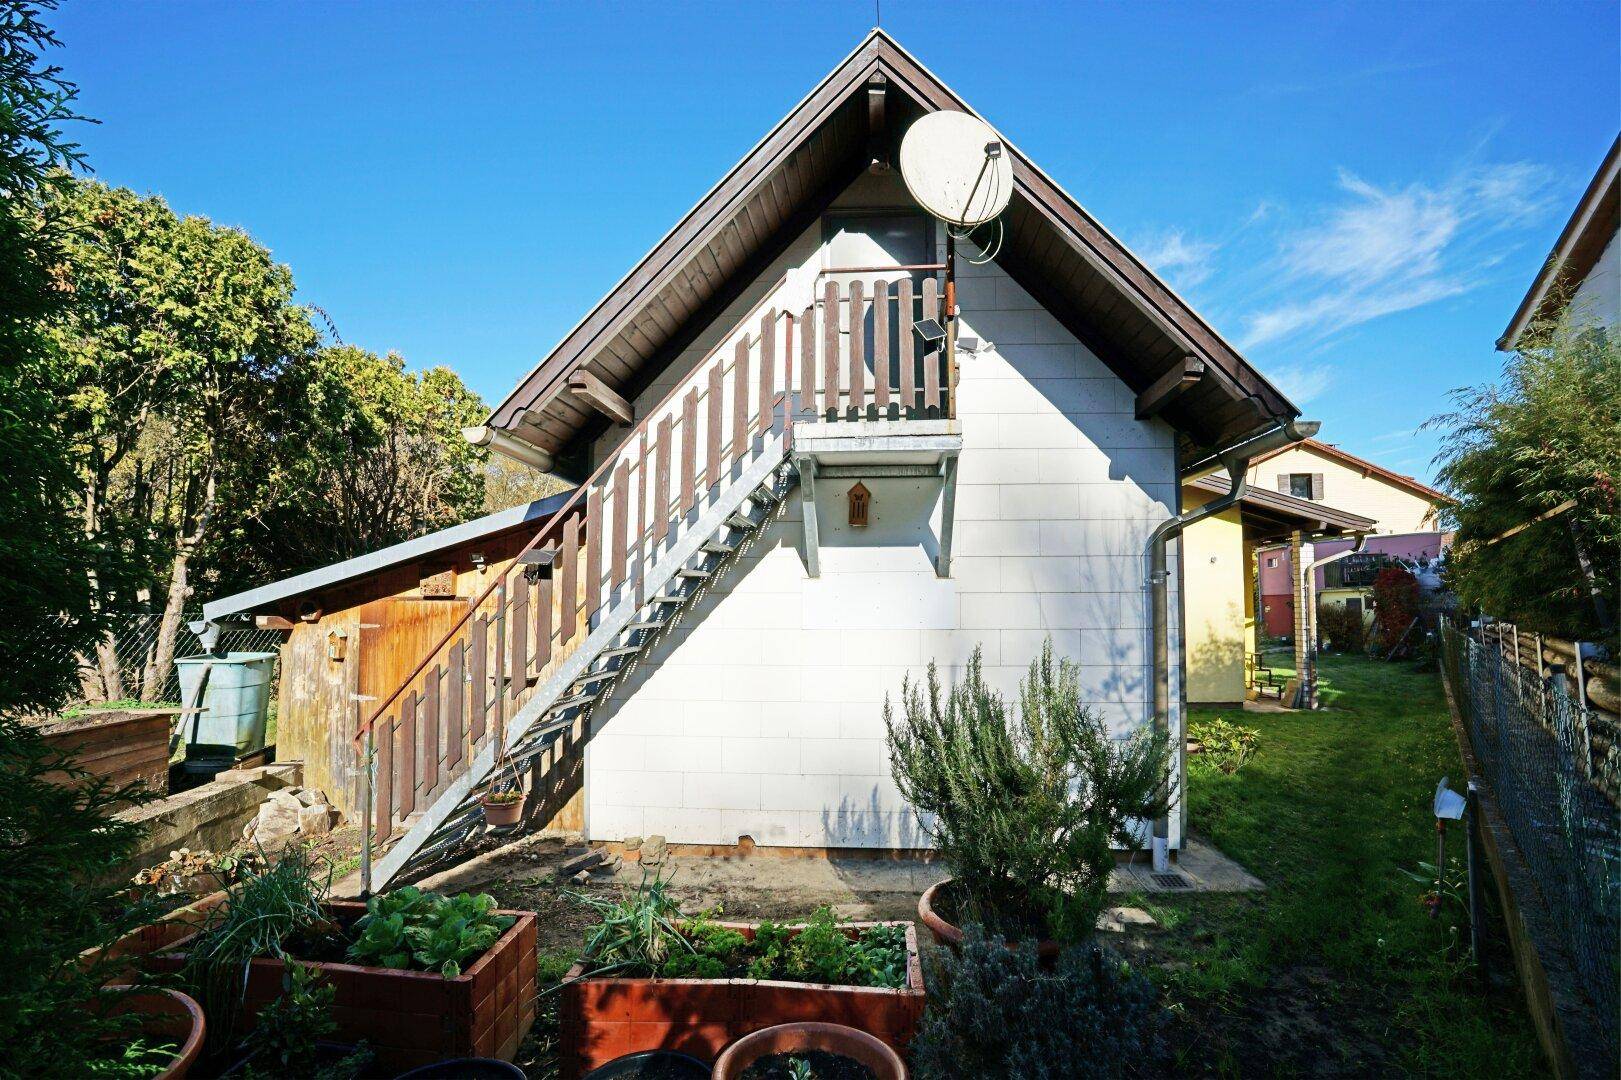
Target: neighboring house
1348, 581
1584, 267
1219, 579
796, 494
1322, 472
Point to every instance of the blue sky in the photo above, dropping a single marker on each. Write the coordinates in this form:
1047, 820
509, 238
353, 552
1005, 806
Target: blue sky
1356, 195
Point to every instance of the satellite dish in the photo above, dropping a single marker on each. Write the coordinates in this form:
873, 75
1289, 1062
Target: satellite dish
957, 168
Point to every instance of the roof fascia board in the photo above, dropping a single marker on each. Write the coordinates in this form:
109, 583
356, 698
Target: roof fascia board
1297, 510
382, 559
1157, 301
1601, 192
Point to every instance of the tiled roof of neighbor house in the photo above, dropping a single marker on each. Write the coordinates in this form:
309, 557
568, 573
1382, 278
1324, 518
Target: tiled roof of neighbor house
1590, 228
1284, 513
361, 565
1053, 248
1367, 467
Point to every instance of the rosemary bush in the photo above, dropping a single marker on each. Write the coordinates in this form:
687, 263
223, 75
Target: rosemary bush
1023, 805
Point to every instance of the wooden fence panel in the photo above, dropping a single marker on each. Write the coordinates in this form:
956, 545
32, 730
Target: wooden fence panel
906, 340
830, 348
408, 754
712, 428
593, 552
880, 347
570, 556
455, 690
478, 670
768, 370
383, 793
689, 451
430, 732
661, 481
807, 360
740, 401
931, 357
621, 517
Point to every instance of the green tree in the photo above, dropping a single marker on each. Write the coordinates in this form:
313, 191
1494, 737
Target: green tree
43, 556
1548, 432
382, 460
178, 337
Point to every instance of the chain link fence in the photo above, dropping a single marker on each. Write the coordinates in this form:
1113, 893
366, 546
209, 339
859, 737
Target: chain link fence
126, 667
1532, 739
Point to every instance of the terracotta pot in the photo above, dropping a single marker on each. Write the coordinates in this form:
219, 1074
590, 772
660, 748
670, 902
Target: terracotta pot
798, 1038
500, 814
167, 1016
950, 935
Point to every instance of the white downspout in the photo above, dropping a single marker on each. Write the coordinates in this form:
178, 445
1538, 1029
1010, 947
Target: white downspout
1308, 679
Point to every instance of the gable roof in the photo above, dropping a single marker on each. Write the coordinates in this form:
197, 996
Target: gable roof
1590, 229
1272, 513
1366, 467
1053, 248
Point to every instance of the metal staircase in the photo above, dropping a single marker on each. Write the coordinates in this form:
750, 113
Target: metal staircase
590, 674
554, 632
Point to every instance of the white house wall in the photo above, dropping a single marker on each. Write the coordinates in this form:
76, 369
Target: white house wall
760, 715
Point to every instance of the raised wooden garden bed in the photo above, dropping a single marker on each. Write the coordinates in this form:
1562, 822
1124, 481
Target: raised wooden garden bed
121, 745
605, 1018
412, 1018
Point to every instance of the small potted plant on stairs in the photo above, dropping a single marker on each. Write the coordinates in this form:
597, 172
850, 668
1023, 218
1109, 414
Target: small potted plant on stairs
503, 801
1024, 806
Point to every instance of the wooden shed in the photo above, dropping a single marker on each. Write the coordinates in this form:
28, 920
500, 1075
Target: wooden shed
356, 630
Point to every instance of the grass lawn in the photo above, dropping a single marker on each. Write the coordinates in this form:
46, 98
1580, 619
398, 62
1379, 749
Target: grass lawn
1337, 967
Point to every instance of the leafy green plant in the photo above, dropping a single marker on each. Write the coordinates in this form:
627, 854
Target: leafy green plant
137, 1059
993, 1012
261, 913
638, 929
1024, 806
799, 1069
64, 846
409, 928
1340, 629
1546, 433
284, 1039
1224, 745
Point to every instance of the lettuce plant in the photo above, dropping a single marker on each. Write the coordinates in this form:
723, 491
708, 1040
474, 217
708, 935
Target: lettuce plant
426, 931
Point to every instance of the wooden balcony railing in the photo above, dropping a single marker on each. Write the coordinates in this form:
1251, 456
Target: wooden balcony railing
850, 353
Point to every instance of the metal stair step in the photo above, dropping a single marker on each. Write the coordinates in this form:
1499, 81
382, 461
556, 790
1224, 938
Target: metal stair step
688, 572
621, 650
668, 598
595, 676
573, 702
740, 521
718, 547
648, 624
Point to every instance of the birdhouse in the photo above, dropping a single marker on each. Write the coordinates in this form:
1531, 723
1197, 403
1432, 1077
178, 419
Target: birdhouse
860, 504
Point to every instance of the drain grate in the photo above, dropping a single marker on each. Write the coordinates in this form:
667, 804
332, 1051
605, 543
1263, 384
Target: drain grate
1171, 881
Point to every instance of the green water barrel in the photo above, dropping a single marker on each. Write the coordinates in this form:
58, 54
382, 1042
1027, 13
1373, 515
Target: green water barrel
235, 698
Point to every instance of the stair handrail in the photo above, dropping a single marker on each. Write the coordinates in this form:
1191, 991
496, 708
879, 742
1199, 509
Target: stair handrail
561, 515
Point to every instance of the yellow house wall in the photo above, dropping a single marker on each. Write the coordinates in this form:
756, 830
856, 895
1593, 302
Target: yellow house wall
1394, 508
1220, 626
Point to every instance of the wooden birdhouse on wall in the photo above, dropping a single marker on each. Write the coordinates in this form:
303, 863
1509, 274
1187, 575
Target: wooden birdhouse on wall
860, 504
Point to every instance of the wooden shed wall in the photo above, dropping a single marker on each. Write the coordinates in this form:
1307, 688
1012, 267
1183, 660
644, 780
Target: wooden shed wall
387, 627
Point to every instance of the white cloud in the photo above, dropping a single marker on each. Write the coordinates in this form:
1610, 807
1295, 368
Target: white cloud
1301, 383
1380, 251
1184, 262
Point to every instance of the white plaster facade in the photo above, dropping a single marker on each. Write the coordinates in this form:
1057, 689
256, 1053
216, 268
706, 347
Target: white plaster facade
1597, 299
760, 715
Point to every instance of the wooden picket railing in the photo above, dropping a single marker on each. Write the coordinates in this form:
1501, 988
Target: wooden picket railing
850, 353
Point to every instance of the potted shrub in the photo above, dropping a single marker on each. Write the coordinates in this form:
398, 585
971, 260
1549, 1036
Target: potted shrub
654, 979
1024, 807
809, 1050
415, 975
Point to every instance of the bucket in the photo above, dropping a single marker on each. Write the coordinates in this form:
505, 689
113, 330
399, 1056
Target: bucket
232, 723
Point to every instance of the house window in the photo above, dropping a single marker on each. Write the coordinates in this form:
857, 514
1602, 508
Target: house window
878, 240
1300, 485
1271, 561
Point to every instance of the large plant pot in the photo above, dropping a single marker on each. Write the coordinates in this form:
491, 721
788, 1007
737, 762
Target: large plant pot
606, 1018
800, 1038
413, 1018
950, 935
167, 1016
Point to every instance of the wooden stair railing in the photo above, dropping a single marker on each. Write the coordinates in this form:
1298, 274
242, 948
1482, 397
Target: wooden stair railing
642, 505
